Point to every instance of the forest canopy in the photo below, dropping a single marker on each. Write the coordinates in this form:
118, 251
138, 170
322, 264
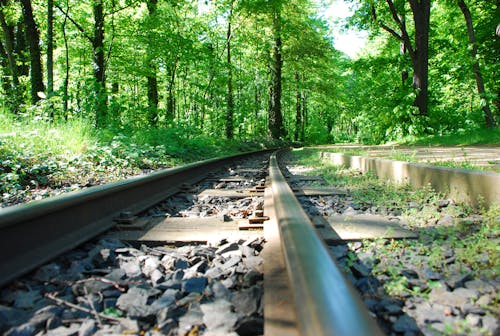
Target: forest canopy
250, 69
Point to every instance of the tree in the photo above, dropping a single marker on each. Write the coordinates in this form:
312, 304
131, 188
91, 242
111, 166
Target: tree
488, 116
419, 50
230, 95
50, 47
33, 37
151, 76
276, 127
9, 53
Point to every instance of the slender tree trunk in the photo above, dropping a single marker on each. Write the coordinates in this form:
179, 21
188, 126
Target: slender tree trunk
488, 116
66, 75
33, 37
171, 92
230, 95
151, 77
50, 47
99, 64
11, 61
421, 17
275, 117
298, 108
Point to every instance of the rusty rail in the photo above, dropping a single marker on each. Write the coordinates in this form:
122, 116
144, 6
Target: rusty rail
33, 233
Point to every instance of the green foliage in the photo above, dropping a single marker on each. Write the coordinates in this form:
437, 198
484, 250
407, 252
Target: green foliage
70, 155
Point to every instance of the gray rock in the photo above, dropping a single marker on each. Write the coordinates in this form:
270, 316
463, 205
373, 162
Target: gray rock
227, 248
217, 316
116, 275
64, 331
220, 291
162, 302
195, 285
458, 280
360, 270
11, 316
132, 326
194, 317
251, 278
491, 324
47, 272
167, 326
480, 285
87, 328
473, 320
429, 274
181, 263
25, 329
250, 326
214, 272
27, 300
246, 302
253, 263
457, 298
134, 297
91, 286
150, 264
132, 268
446, 220
405, 324
157, 276
339, 251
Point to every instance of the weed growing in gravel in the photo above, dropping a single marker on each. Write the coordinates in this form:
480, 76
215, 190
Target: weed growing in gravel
447, 231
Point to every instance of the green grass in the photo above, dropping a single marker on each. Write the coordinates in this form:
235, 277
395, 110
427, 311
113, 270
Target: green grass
475, 244
38, 155
458, 138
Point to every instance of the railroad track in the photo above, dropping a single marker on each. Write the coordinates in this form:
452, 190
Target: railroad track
225, 209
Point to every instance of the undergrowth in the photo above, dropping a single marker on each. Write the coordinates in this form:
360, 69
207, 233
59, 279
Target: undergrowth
441, 224
38, 157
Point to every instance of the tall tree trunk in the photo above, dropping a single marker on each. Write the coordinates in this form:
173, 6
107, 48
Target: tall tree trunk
11, 61
230, 95
275, 117
421, 17
33, 36
171, 92
65, 97
488, 116
419, 53
298, 108
151, 77
99, 64
50, 47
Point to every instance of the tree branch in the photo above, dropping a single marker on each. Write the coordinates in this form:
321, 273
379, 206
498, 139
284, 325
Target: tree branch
77, 25
392, 32
404, 33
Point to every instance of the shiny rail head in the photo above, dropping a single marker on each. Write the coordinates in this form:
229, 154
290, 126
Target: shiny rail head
326, 303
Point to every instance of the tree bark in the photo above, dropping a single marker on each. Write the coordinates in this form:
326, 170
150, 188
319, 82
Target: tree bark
419, 53
11, 60
275, 117
230, 95
420, 59
33, 36
298, 108
99, 64
153, 98
50, 47
65, 97
488, 116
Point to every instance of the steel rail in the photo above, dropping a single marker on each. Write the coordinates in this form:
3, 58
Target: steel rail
326, 304
33, 233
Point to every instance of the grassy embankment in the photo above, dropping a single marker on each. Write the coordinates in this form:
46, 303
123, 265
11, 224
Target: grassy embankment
39, 159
